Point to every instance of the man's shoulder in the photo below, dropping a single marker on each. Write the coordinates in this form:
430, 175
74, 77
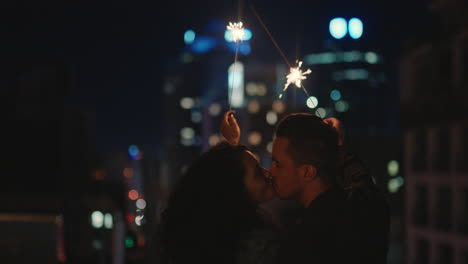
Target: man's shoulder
326, 208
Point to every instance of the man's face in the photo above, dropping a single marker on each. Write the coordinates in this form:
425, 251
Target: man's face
283, 170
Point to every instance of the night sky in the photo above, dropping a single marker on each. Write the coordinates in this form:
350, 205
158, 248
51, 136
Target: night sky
118, 51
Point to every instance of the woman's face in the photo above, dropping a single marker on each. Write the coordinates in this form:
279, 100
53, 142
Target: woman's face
256, 179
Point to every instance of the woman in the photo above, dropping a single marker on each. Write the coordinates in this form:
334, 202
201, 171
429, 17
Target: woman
213, 214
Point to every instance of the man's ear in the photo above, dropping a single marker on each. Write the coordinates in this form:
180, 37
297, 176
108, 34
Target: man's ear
309, 173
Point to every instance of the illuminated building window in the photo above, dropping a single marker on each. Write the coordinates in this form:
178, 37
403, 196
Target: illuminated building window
393, 168
256, 89
356, 74
97, 219
189, 36
355, 28
395, 184
108, 221
338, 27
236, 84
251, 89
371, 57
352, 56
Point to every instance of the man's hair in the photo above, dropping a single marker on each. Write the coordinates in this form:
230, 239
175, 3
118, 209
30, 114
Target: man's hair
311, 142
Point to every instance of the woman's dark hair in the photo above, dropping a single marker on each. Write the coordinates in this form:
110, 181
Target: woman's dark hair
312, 142
209, 210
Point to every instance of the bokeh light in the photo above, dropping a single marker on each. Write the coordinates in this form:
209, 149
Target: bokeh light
189, 37
395, 184
312, 102
97, 219
133, 195
255, 138
371, 57
393, 168
133, 151
139, 220
321, 112
338, 28
269, 147
108, 221
141, 204
253, 107
128, 173
355, 28
335, 95
196, 116
279, 107
214, 109
187, 103
187, 133
271, 117
214, 139
341, 106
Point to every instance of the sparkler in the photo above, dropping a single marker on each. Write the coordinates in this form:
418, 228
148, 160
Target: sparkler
295, 76
237, 31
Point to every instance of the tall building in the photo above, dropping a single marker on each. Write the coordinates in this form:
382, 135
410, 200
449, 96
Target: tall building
434, 88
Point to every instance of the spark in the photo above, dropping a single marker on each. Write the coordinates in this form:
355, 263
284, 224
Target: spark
237, 31
295, 76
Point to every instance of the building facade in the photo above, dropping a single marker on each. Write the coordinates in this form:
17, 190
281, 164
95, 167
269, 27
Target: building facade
434, 85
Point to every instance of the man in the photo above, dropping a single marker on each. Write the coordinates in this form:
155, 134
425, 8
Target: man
345, 218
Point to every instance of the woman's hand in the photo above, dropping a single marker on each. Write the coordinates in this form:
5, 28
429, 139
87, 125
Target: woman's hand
336, 124
230, 129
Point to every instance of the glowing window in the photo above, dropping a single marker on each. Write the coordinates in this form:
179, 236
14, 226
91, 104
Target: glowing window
97, 219
393, 168
108, 221
189, 36
338, 28
355, 28
236, 84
